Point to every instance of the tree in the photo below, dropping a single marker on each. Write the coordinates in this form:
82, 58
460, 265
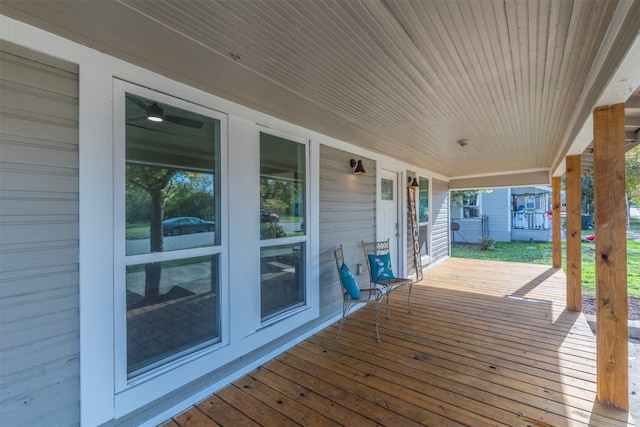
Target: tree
459, 196
191, 194
278, 195
632, 171
155, 181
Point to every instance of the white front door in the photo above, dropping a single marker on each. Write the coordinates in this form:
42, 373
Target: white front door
387, 222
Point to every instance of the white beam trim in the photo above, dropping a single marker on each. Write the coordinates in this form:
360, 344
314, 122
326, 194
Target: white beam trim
514, 179
621, 86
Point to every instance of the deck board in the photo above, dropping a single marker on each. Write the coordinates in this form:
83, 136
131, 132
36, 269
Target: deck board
487, 344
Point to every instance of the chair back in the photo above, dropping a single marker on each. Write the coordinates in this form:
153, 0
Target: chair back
376, 248
339, 255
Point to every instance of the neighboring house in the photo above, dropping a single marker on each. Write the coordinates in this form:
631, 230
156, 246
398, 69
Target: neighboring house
505, 214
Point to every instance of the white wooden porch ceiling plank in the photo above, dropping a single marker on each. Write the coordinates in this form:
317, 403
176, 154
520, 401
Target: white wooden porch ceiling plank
405, 78
559, 19
427, 32
278, 67
458, 19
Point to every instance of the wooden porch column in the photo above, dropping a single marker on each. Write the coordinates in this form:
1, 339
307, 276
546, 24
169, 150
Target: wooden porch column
574, 234
556, 237
611, 256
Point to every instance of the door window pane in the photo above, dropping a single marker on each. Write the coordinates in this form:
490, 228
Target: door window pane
282, 187
172, 306
282, 278
171, 178
423, 200
386, 189
422, 239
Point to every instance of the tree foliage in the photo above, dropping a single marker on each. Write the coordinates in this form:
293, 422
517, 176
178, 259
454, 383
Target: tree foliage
632, 171
277, 195
459, 196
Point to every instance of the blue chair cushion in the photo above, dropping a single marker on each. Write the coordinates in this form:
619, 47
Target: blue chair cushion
380, 267
349, 282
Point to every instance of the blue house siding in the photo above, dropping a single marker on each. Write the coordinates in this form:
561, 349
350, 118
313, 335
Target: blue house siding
495, 206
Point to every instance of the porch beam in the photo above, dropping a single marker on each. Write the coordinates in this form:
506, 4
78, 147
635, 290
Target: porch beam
574, 236
611, 256
555, 222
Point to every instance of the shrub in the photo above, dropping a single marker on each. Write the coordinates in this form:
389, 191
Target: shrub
488, 244
271, 230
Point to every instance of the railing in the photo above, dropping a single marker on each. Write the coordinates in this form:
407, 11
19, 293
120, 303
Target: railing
530, 220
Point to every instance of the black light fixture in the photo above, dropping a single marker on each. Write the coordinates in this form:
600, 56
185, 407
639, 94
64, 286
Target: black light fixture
359, 169
414, 183
155, 113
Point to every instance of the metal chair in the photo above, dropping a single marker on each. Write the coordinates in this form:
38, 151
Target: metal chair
367, 296
388, 284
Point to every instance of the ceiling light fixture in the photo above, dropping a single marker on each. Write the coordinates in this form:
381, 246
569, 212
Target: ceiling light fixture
155, 113
462, 142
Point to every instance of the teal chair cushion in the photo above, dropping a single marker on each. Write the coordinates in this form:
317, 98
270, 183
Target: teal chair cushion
349, 282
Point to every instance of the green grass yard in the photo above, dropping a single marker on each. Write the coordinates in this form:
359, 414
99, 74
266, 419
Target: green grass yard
540, 253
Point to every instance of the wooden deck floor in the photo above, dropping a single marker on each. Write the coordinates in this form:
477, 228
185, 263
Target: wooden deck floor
487, 344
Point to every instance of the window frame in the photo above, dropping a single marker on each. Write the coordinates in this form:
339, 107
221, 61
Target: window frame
282, 241
125, 387
425, 257
478, 206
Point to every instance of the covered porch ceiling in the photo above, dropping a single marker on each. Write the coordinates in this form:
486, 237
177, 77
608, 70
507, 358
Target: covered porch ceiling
517, 80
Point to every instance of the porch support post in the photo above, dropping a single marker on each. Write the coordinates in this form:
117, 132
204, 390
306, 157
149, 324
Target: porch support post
574, 234
611, 256
555, 222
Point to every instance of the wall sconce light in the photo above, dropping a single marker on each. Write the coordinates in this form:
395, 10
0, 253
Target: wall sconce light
359, 169
413, 182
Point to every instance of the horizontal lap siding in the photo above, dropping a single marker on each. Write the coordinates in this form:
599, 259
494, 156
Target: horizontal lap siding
38, 240
347, 217
440, 221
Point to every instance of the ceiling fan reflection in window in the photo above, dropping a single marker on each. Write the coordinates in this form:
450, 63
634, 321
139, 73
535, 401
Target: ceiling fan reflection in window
155, 113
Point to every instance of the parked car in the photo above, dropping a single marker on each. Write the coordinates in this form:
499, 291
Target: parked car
186, 225
266, 216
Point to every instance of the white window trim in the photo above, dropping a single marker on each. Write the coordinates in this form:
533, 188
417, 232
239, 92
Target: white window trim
101, 401
121, 260
310, 301
477, 218
154, 383
426, 259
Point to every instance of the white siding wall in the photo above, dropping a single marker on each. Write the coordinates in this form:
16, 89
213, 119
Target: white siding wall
347, 217
440, 220
39, 345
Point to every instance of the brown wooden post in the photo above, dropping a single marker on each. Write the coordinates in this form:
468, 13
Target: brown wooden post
611, 256
556, 237
574, 234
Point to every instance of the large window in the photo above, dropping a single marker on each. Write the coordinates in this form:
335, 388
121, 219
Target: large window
283, 188
171, 234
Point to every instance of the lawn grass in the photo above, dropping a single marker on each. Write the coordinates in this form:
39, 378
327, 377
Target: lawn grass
137, 231
541, 253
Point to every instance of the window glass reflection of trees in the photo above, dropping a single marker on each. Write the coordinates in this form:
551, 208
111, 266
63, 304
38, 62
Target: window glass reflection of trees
171, 203
282, 213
